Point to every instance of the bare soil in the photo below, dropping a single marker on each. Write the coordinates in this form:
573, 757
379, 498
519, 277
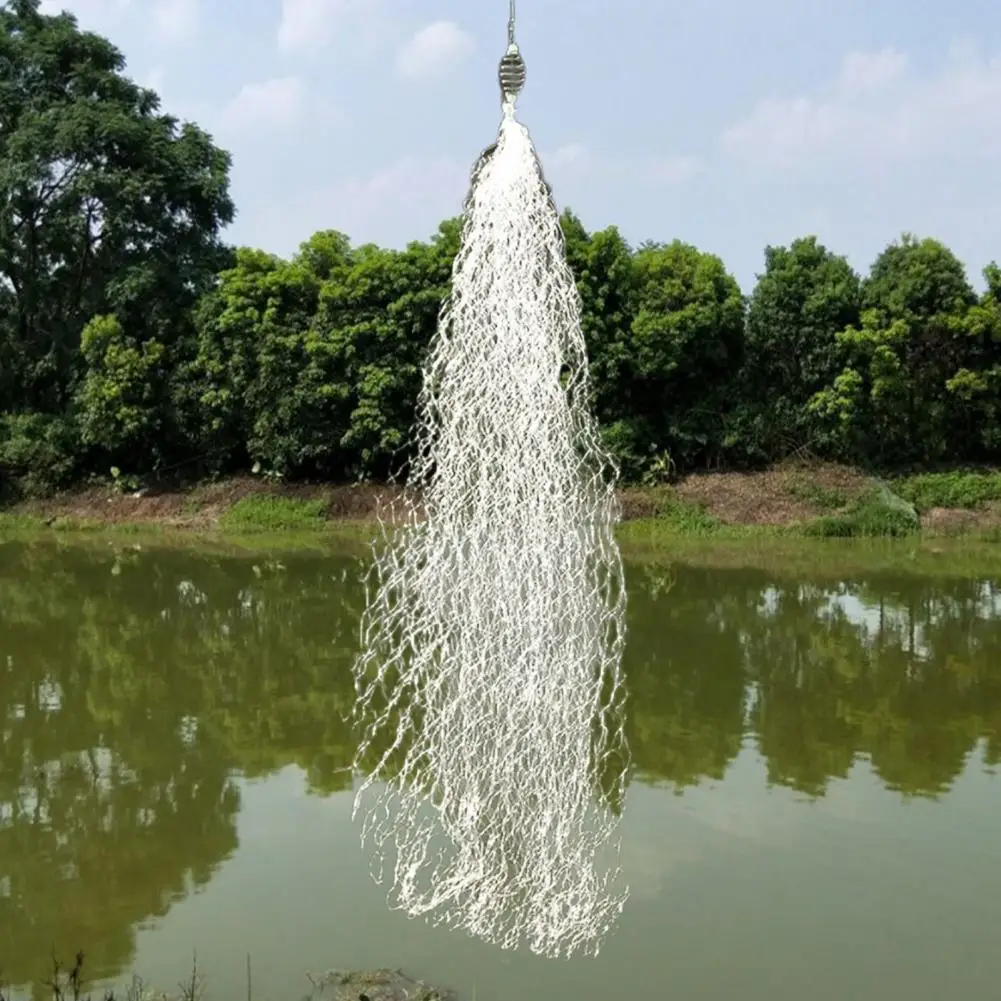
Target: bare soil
948, 521
779, 496
202, 506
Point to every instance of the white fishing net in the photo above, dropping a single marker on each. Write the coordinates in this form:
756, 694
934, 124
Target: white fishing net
489, 683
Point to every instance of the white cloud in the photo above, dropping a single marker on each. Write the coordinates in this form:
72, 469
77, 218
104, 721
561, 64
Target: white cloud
576, 161
306, 22
412, 195
407, 199
433, 51
172, 20
310, 24
401, 202
572, 154
877, 113
862, 72
85, 10
669, 168
267, 105
175, 20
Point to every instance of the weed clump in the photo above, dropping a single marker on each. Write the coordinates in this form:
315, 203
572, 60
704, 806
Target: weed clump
967, 490
68, 984
686, 517
266, 513
878, 513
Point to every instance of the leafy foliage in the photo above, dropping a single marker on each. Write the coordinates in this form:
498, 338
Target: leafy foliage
132, 338
801, 303
953, 489
879, 513
107, 207
918, 366
118, 403
37, 453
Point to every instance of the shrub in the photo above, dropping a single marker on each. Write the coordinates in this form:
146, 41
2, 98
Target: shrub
878, 513
37, 453
955, 489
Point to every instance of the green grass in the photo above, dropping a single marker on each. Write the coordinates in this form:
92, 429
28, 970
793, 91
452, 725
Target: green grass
265, 513
878, 513
684, 517
678, 522
835, 558
15, 523
11, 521
265, 521
775, 549
954, 490
192, 505
816, 494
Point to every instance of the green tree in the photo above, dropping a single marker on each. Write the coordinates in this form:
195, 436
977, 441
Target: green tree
602, 264
38, 454
119, 401
803, 300
262, 306
686, 344
891, 401
337, 397
106, 207
975, 388
380, 322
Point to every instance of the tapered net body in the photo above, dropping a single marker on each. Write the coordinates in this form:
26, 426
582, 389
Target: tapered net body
489, 683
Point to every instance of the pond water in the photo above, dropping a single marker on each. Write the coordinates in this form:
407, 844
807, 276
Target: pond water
815, 809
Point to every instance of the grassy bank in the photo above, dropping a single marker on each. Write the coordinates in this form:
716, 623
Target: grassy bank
792, 502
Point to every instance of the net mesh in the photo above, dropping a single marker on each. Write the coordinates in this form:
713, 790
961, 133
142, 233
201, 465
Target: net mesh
489, 682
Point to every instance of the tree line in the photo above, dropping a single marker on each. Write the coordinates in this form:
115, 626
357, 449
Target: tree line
134, 339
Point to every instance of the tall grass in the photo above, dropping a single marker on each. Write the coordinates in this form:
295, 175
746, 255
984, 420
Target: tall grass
878, 513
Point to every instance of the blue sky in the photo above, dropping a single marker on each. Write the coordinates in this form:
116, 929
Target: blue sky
730, 124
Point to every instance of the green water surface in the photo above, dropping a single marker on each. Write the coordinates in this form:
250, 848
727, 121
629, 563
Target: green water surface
814, 813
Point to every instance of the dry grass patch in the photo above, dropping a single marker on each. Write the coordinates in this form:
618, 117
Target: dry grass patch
780, 496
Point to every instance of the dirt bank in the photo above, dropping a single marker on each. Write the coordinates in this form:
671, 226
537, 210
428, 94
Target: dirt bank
776, 497
203, 506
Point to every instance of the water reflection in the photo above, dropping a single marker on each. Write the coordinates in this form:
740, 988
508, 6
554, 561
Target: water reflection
903, 671
135, 687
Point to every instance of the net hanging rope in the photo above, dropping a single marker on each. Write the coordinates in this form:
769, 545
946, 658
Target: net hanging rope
489, 681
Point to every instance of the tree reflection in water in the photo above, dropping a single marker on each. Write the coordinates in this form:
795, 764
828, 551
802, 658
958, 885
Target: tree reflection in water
136, 687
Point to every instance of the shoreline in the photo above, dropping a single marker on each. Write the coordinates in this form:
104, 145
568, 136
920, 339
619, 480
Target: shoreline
767, 520
789, 500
